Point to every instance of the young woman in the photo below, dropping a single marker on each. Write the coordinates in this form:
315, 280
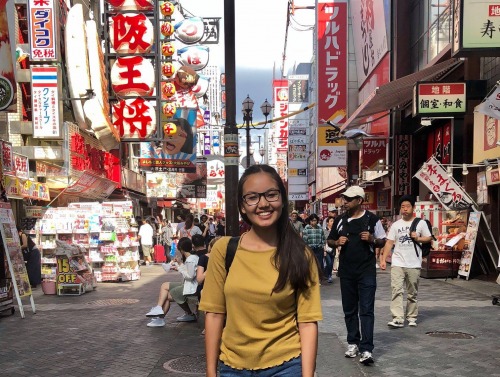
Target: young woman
32, 257
177, 291
189, 229
269, 300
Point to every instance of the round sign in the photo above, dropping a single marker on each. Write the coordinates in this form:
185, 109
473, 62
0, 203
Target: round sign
6, 93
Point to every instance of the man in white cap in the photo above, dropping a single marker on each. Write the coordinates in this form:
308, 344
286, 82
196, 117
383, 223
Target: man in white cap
357, 233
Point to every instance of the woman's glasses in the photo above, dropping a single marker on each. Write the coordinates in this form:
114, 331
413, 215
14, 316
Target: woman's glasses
253, 198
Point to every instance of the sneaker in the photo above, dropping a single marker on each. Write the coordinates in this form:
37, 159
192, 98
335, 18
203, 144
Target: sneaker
330, 280
366, 358
352, 351
412, 322
186, 318
156, 322
155, 311
395, 323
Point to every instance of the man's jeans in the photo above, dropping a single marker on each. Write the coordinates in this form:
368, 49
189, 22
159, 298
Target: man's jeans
329, 265
359, 293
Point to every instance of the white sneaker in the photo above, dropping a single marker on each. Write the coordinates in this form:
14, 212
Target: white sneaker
366, 358
352, 351
395, 323
186, 318
156, 322
412, 322
155, 311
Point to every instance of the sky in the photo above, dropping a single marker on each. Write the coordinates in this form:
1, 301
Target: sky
260, 27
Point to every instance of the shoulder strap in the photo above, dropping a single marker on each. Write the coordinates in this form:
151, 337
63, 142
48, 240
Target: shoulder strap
231, 252
413, 228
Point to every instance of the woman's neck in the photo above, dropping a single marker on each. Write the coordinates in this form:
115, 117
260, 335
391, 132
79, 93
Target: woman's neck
261, 238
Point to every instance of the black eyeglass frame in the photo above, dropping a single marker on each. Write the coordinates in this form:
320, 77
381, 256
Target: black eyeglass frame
262, 194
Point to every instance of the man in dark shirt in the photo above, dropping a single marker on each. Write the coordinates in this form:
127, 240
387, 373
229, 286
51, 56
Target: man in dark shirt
357, 233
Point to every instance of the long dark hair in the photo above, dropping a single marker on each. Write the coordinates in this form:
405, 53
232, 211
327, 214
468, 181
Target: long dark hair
188, 144
293, 257
188, 224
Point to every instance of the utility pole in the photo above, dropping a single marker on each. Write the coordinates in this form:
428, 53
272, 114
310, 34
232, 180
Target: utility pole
230, 131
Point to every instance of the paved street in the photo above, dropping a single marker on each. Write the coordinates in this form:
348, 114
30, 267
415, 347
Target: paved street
104, 333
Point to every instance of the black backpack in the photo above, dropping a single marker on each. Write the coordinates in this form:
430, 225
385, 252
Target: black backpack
231, 252
425, 247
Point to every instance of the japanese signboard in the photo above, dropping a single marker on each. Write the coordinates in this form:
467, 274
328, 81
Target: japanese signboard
372, 151
370, 36
486, 137
7, 75
45, 102
92, 186
470, 243
298, 88
445, 188
42, 21
21, 165
439, 99
402, 165
332, 56
6, 158
331, 151
178, 185
481, 32
14, 255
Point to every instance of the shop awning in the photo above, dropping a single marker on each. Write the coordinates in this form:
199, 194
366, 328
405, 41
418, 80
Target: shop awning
398, 92
91, 186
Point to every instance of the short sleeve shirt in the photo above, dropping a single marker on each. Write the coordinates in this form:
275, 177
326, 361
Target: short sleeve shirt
404, 254
261, 328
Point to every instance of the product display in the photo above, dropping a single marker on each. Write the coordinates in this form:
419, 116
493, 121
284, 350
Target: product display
448, 227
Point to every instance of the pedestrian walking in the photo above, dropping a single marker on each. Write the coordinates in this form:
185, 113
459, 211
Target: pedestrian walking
189, 229
357, 233
145, 235
314, 237
406, 262
177, 291
330, 252
261, 315
167, 233
296, 222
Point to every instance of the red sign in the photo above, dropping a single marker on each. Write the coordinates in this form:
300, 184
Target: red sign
131, 33
42, 32
134, 118
373, 151
332, 51
402, 165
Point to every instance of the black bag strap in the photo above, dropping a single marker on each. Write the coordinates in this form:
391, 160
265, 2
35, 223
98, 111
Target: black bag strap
413, 228
231, 252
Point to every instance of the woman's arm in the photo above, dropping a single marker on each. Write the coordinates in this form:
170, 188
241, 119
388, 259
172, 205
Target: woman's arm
309, 347
214, 323
24, 241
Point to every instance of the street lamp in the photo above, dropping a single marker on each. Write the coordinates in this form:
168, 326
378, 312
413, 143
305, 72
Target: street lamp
247, 111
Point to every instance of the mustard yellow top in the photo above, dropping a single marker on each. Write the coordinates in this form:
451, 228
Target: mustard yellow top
261, 329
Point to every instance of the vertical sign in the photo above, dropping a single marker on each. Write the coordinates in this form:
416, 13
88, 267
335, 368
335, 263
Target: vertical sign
402, 164
206, 144
15, 260
7, 76
280, 129
332, 51
331, 151
470, 242
45, 102
7, 157
42, 32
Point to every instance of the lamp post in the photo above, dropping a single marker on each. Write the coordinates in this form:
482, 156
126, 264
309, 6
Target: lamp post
247, 111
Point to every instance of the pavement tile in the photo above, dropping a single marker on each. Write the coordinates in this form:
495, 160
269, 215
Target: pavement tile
104, 333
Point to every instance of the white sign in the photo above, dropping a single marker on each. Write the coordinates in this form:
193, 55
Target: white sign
470, 242
483, 21
445, 188
370, 37
302, 196
45, 102
21, 166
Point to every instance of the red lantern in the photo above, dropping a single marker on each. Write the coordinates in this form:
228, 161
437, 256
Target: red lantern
167, 69
169, 109
168, 89
167, 29
167, 49
167, 8
169, 129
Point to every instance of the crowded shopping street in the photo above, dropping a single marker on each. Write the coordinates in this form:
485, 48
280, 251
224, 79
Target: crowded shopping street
104, 333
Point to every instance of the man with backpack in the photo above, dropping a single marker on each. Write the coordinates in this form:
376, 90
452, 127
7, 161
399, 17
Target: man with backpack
407, 235
357, 233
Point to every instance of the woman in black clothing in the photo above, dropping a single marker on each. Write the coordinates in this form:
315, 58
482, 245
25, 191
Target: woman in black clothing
32, 258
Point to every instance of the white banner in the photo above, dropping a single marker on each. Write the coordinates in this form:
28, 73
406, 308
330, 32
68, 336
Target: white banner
470, 242
445, 188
